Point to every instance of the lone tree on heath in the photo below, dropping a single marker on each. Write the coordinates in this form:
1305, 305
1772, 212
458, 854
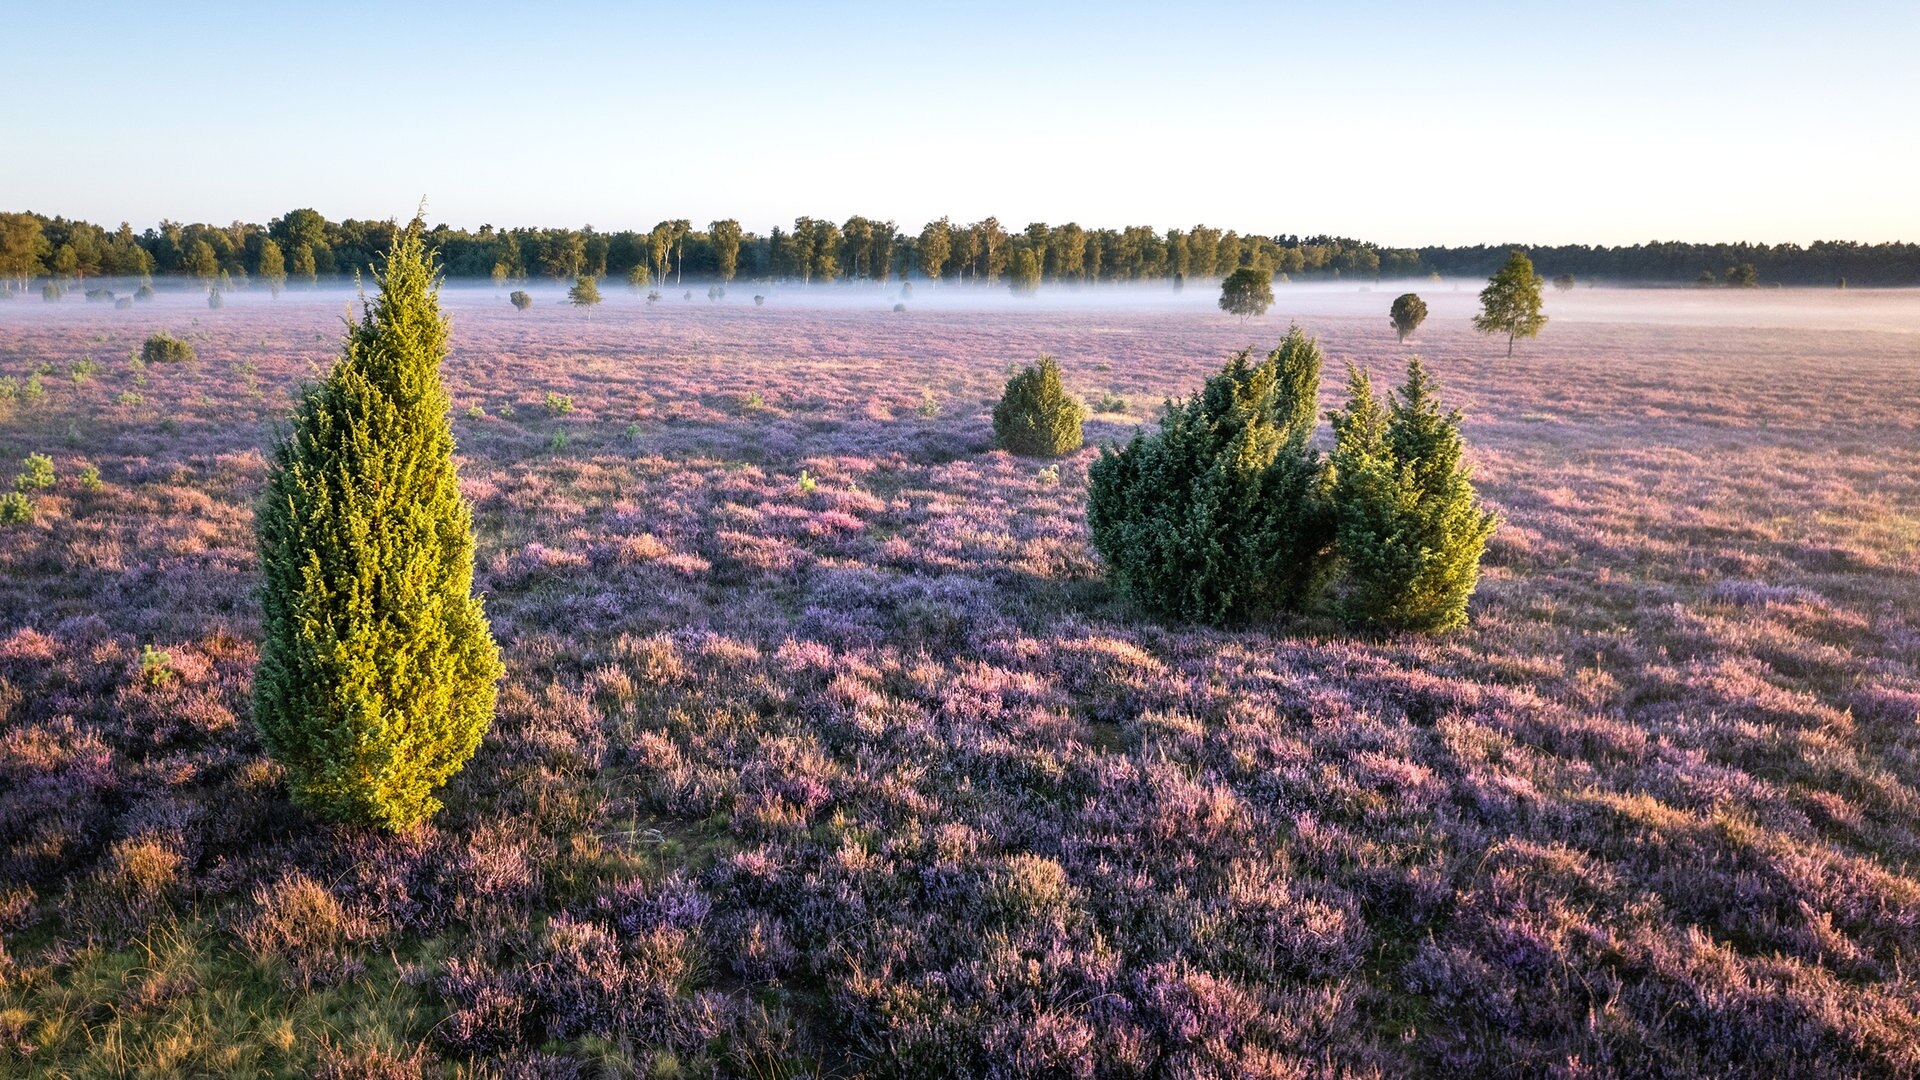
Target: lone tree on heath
1407, 313
521, 299
585, 293
1410, 531
1036, 416
1510, 304
1247, 292
377, 670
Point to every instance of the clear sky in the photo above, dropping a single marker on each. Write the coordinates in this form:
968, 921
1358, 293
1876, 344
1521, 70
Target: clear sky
1403, 123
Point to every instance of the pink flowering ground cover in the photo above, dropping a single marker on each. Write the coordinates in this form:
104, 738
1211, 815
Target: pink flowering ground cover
873, 774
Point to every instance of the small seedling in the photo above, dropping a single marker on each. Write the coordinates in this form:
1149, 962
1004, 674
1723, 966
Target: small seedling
156, 667
929, 406
807, 483
36, 472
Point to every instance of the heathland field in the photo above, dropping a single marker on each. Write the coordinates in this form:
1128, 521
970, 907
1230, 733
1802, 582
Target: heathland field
825, 747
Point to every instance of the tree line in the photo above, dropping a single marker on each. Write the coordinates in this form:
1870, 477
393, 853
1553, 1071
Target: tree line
303, 247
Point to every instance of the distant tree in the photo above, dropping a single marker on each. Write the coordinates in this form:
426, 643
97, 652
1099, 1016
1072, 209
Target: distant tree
639, 277
272, 266
23, 246
1023, 276
682, 228
1410, 530
563, 255
1564, 283
216, 298
1743, 276
936, 244
1706, 279
725, 238
585, 294
1247, 292
521, 299
305, 267
201, 262
660, 249
1036, 417
1407, 313
66, 262
1510, 304
377, 670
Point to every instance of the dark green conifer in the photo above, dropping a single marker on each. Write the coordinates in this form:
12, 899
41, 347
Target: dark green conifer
1221, 514
377, 673
1410, 530
1036, 416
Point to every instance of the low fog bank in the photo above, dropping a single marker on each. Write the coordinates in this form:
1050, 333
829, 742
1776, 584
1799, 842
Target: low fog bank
1884, 310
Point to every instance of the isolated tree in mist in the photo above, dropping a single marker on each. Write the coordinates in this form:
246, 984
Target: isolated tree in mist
725, 238
1563, 283
521, 299
1510, 304
273, 266
1247, 292
1407, 313
1023, 273
377, 669
1036, 417
585, 293
1743, 276
936, 244
1409, 529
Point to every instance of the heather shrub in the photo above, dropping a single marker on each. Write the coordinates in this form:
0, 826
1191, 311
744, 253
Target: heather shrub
377, 670
302, 928
1223, 513
164, 348
1409, 529
1036, 416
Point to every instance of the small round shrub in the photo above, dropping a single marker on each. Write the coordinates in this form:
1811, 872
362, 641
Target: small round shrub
164, 348
51, 292
15, 509
143, 294
521, 299
1036, 416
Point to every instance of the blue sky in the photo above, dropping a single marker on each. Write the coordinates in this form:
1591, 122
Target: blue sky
1401, 123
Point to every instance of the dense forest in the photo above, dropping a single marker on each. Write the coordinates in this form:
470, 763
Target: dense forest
302, 247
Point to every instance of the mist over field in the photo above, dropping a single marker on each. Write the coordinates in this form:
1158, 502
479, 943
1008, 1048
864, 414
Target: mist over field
827, 744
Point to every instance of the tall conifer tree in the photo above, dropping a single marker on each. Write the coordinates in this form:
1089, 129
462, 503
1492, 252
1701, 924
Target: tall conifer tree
377, 674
